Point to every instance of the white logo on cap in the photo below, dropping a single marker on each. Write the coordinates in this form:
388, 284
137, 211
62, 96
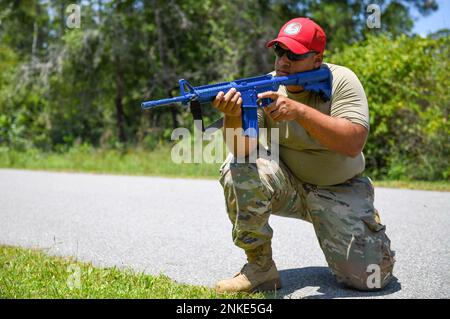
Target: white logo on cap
293, 28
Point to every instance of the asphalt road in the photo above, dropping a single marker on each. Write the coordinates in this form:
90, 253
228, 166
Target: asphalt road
179, 227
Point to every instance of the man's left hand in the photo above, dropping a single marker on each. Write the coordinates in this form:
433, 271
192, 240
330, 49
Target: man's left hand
282, 108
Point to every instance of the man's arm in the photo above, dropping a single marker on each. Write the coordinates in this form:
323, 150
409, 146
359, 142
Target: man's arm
230, 104
337, 134
237, 144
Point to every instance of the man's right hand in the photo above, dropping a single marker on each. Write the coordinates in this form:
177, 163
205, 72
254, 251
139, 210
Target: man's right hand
229, 103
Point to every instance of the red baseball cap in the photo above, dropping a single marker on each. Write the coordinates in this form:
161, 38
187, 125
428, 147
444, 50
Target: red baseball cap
301, 35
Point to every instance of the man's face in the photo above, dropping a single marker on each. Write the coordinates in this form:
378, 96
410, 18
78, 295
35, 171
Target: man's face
284, 66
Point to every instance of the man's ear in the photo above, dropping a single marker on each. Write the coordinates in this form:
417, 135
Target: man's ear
318, 59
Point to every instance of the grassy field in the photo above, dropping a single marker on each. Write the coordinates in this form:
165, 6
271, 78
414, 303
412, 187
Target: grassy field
129, 162
141, 162
26, 273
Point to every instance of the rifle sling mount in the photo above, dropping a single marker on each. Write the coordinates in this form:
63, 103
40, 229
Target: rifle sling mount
196, 111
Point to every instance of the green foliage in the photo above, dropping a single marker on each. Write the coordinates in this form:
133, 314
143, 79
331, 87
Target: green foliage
61, 88
406, 82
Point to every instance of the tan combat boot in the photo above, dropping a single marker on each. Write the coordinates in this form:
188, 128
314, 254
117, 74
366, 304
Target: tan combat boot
259, 274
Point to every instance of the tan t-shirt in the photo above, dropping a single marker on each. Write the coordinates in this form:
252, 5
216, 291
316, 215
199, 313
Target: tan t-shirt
308, 160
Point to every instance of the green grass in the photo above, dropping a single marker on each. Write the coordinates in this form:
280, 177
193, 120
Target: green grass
130, 162
27, 273
143, 162
443, 186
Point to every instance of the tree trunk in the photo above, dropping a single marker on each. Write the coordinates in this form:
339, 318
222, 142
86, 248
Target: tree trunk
34, 46
100, 13
162, 44
174, 118
120, 115
119, 77
62, 22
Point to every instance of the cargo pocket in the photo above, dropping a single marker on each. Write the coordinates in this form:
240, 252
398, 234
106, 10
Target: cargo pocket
372, 223
378, 248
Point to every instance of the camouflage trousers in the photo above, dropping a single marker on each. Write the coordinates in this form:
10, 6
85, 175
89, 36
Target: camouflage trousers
345, 221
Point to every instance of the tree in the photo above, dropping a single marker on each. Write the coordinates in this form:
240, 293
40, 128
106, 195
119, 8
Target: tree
406, 84
86, 85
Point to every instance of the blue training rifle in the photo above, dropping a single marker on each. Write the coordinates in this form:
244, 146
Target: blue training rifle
318, 81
